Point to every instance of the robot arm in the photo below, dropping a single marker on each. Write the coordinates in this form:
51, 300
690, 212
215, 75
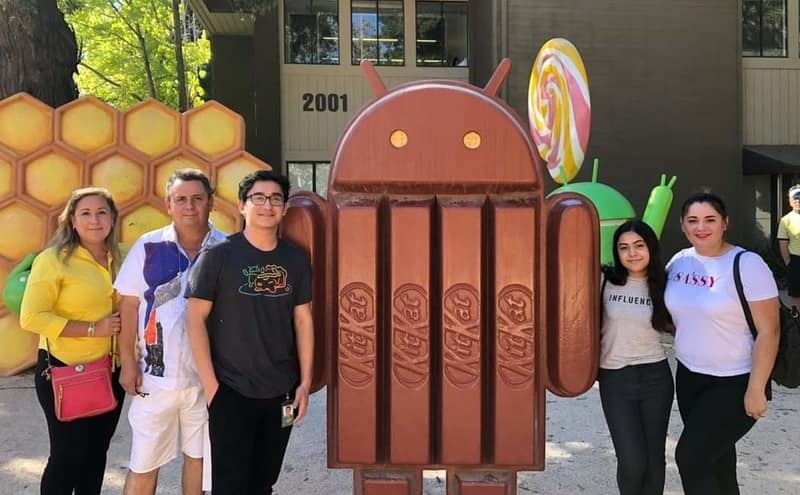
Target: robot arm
304, 225
655, 214
572, 294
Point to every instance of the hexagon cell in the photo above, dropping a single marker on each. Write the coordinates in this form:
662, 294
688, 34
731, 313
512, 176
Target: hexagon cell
143, 219
152, 128
19, 347
164, 170
87, 125
6, 178
230, 174
120, 175
213, 130
25, 124
24, 231
223, 221
51, 178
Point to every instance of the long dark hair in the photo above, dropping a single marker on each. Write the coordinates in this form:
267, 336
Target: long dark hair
656, 274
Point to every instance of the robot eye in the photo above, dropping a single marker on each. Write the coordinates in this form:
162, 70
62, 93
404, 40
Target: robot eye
472, 140
399, 138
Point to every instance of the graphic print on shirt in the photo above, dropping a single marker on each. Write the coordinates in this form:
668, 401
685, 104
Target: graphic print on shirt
163, 265
694, 278
267, 280
626, 299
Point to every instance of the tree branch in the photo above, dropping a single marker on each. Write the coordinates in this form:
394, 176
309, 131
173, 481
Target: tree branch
146, 59
109, 80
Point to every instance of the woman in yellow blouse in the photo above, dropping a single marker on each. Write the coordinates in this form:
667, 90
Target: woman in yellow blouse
69, 301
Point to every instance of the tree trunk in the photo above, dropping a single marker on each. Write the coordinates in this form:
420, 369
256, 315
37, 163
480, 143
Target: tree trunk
183, 100
39, 51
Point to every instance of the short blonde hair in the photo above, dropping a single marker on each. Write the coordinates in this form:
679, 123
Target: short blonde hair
794, 189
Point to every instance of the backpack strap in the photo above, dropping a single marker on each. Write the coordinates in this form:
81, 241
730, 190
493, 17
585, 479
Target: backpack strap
737, 279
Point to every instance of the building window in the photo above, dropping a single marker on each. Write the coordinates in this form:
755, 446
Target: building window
309, 176
311, 31
764, 32
442, 39
378, 32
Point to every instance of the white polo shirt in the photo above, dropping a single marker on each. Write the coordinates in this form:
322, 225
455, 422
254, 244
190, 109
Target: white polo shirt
156, 271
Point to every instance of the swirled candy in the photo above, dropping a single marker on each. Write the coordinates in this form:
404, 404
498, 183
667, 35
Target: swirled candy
559, 109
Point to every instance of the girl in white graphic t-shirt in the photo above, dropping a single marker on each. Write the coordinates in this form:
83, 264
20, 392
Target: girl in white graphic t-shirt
722, 372
636, 387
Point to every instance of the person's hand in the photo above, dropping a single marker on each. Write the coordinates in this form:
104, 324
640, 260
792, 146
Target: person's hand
108, 326
300, 403
755, 403
130, 377
211, 391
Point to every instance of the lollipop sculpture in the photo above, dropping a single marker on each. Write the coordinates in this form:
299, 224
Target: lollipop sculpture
559, 111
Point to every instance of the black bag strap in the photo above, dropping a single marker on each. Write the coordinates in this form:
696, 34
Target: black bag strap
737, 279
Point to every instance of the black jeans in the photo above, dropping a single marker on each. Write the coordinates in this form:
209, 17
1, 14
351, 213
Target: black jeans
247, 442
637, 401
78, 448
714, 419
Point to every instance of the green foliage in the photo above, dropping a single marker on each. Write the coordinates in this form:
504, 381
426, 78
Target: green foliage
128, 51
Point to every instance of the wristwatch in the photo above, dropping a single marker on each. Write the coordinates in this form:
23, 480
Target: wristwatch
90, 329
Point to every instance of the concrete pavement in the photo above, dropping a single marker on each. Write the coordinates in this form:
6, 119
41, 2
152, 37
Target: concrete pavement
580, 457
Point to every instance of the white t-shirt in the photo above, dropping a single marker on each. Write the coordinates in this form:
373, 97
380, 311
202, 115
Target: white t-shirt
712, 336
156, 270
627, 336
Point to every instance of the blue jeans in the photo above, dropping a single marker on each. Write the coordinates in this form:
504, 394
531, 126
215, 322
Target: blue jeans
637, 401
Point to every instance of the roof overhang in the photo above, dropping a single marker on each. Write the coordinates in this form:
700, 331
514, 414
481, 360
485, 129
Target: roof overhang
219, 18
770, 159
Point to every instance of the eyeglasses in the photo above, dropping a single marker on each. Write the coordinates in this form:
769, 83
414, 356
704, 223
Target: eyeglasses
260, 199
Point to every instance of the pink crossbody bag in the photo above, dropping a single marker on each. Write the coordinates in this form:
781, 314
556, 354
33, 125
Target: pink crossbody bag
82, 390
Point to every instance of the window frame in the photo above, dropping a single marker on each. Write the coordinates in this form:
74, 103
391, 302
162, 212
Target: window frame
287, 43
377, 61
786, 36
314, 175
442, 4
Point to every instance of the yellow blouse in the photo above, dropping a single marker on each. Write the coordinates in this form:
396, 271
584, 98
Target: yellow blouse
57, 292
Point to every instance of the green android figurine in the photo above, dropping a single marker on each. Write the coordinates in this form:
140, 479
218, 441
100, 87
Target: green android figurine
614, 209
15, 284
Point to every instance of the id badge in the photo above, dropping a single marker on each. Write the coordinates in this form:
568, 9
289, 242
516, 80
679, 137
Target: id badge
287, 413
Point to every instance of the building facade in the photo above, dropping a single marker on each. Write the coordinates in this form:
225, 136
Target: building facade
707, 91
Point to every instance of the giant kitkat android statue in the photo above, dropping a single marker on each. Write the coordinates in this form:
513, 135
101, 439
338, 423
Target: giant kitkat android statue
450, 292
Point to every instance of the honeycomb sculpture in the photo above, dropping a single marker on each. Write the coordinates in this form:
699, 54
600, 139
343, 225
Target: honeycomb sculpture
45, 153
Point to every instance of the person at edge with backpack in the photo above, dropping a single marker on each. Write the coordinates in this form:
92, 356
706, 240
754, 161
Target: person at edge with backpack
722, 372
789, 244
636, 388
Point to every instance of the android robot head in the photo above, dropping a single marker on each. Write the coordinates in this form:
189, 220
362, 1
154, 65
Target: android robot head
612, 208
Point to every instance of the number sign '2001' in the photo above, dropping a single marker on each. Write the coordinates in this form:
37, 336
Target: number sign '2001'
322, 102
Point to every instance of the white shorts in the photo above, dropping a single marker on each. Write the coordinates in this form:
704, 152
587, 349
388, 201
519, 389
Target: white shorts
158, 420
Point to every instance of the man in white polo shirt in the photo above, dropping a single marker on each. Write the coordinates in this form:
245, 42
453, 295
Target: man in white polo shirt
168, 410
